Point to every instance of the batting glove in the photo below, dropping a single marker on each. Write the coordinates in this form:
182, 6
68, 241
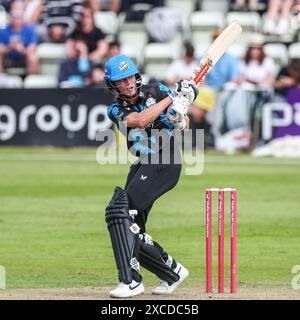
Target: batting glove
187, 89
176, 118
180, 125
180, 105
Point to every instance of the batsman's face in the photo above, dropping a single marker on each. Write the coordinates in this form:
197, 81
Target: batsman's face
127, 86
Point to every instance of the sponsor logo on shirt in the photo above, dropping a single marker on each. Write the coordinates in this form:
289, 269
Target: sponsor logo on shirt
150, 102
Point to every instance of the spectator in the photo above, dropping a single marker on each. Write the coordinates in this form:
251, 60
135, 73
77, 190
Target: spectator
278, 16
18, 44
105, 5
97, 76
257, 68
32, 10
287, 78
245, 5
226, 70
182, 68
75, 71
114, 49
59, 19
93, 37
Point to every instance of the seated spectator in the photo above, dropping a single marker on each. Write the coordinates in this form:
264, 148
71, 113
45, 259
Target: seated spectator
278, 16
105, 5
287, 78
93, 37
257, 68
114, 49
32, 10
182, 68
248, 5
97, 76
59, 19
226, 70
18, 44
75, 71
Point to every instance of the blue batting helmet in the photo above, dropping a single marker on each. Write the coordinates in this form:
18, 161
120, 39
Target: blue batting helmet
120, 67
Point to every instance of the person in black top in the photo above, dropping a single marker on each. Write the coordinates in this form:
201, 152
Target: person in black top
137, 111
287, 78
93, 36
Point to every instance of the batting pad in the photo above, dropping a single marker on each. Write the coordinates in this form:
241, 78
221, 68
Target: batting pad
123, 234
151, 258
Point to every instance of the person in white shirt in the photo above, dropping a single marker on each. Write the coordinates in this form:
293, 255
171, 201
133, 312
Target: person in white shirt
182, 68
257, 68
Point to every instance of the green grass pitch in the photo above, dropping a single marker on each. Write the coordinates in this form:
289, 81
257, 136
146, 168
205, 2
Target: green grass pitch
53, 234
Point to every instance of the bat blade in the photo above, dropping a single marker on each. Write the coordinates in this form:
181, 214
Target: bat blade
216, 51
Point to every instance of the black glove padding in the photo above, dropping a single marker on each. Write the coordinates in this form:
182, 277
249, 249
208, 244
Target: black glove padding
188, 89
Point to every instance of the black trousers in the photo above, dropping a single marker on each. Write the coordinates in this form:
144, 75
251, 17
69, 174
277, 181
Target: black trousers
146, 183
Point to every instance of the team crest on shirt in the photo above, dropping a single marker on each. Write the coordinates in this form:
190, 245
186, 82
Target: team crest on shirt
123, 66
150, 102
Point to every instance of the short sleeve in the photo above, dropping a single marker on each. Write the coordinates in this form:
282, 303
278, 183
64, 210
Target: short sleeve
4, 38
115, 114
32, 36
99, 35
163, 92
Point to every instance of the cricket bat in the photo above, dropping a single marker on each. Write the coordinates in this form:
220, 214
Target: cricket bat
216, 50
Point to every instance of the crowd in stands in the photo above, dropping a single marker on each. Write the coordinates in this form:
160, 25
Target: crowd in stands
71, 23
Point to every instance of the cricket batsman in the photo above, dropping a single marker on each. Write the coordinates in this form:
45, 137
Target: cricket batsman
143, 107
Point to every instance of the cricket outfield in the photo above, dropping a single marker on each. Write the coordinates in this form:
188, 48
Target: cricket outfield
54, 241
